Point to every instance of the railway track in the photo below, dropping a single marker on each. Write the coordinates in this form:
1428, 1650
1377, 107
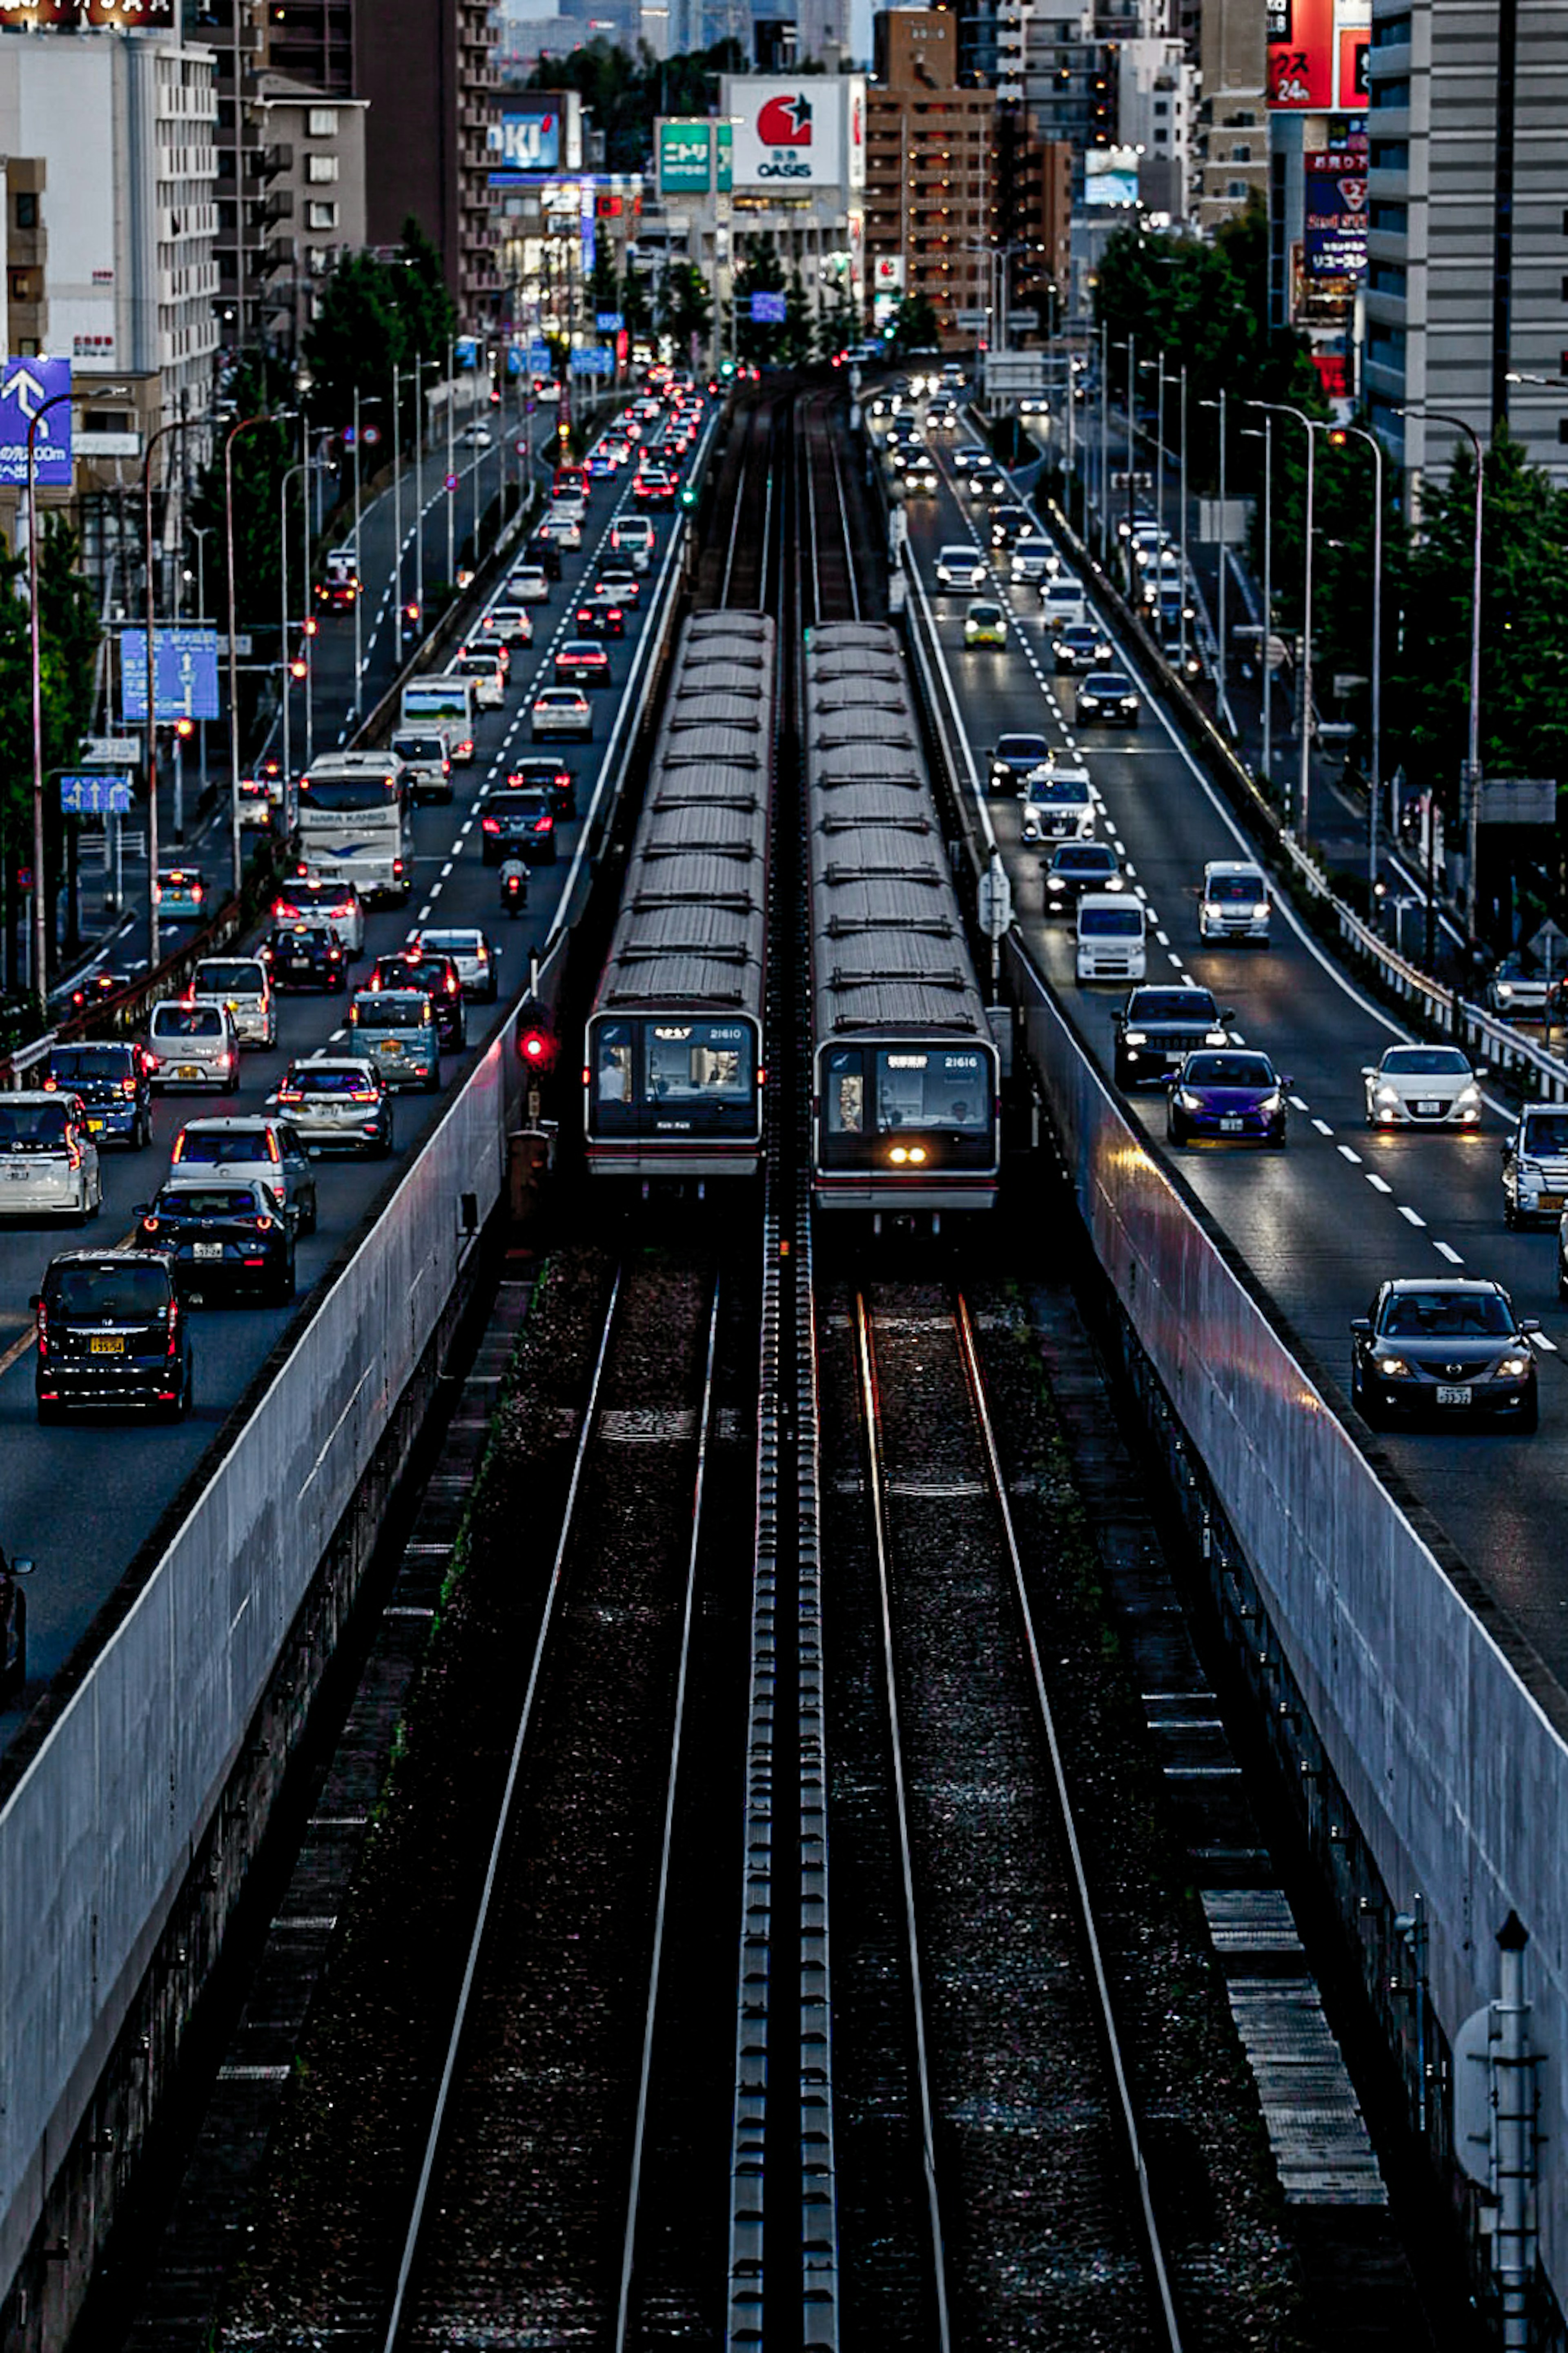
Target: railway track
990, 2179
586, 2084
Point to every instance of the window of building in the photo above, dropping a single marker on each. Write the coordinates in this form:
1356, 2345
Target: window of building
1241, 154
320, 215
1237, 189
320, 169
1392, 217
26, 210
1562, 436
1391, 93
323, 123
1387, 278
1389, 156
1391, 33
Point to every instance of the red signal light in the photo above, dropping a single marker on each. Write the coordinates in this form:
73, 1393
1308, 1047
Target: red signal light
185, 729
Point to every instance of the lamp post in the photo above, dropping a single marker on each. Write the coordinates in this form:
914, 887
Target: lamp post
304, 466
1224, 697
372, 400
1266, 437
201, 533
1473, 740
1375, 757
1311, 425
178, 426
237, 851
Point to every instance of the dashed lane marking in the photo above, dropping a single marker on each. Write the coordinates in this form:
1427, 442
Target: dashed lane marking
1323, 1127
1443, 1250
1379, 1183
1297, 1104
1411, 1217
1548, 1347
1346, 1154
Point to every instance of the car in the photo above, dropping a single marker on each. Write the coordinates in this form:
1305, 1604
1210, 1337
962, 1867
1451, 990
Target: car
395, 1029
1446, 1346
221, 1236
192, 1046
242, 985
1109, 696
306, 955
920, 477
985, 623
567, 505
1140, 519
518, 823
1421, 1086
973, 454
560, 710
600, 616
337, 1103
468, 947
180, 895
619, 582
582, 661
602, 464
1033, 560
1535, 1166
1520, 985
110, 1078
251, 1149
884, 402
565, 529
528, 584
112, 1332
308, 898
1075, 867
477, 437
1158, 1027
48, 1157
1233, 1095
547, 772
1078, 645
632, 536
1058, 805
511, 624
486, 672
1009, 524
654, 488
986, 487
960, 566
1234, 903
1015, 759
95, 988
427, 758
416, 967
257, 811
542, 554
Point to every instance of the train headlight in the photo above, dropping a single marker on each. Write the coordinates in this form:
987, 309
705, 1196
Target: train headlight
917, 1153
898, 1155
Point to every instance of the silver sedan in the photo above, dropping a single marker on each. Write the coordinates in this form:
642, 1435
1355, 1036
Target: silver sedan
1422, 1086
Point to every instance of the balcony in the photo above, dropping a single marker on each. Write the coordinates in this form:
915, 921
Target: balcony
271, 161
279, 206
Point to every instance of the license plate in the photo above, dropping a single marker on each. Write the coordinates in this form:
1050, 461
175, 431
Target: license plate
93, 1126
391, 1051
207, 1250
189, 1070
1454, 1397
106, 1345
18, 1176
1231, 1126
1551, 1201
1427, 1109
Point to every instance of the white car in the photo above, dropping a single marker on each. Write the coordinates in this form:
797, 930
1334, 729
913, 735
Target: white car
242, 987
511, 624
1422, 1086
1033, 560
489, 680
469, 950
632, 536
477, 437
337, 1101
248, 1151
192, 1046
561, 711
1058, 805
1234, 903
565, 530
1535, 1168
49, 1161
528, 584
960, 566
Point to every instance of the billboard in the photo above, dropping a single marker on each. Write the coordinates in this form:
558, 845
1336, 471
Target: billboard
32, 400
791, 135
767, 310
1111, 176
1334, 239
685, 168
887, 274
1317, 53
529, 139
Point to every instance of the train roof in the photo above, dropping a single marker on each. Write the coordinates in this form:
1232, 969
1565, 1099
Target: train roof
889, 950
692, 927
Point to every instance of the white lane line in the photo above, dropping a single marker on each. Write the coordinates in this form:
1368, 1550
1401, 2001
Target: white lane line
1452, 1256
1297, 1104
424, 911
1540, 1339
445, 869
338, 1037
1379, 1183
1174, 959
1236, 1038
1164, 937
1411, 1217
1353, 1157
1323, 1127
464, 829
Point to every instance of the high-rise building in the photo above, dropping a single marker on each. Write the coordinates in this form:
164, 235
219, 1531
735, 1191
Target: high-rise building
429, 69
314, 210
1466, 280
1233, 125
931, 200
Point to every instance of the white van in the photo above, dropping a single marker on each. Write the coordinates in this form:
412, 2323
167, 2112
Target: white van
1062, 601
1234, 904
1111, 937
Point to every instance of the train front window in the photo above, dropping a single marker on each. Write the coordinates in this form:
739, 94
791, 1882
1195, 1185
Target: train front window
698, 1063
932, 1087
846, 1095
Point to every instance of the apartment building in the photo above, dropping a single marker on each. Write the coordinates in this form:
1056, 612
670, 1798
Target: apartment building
932, 193
1231, 159
314, 209
429, 69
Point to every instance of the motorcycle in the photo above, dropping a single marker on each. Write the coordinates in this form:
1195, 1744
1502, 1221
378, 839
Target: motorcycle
514, 886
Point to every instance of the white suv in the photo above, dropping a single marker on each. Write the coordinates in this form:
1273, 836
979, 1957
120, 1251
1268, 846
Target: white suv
960, 566
49, 1161
1235, 904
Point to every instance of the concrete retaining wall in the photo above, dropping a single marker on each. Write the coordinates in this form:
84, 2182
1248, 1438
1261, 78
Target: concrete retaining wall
1458, 1775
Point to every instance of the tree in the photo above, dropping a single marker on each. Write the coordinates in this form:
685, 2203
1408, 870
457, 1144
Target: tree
760, 273
68, 643
685, 305
625, 91
914, 326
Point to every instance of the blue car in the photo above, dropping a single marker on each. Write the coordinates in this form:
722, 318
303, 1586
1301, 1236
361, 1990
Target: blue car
1233, 1097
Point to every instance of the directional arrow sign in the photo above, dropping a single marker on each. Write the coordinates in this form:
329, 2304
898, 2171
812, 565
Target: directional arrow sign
25, 386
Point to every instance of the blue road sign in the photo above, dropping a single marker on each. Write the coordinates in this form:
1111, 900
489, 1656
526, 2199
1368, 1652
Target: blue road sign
592, 360
767, 310
25, 386
609, 323
514, 359
184, 675
540, 362
99, 796
465, 351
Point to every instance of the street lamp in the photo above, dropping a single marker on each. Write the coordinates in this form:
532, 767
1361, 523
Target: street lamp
178, 425
268, 417
304, 466
1473, 748
1374, 762
372, 400
1311, 425
35, 663
1251, 433
1224, 564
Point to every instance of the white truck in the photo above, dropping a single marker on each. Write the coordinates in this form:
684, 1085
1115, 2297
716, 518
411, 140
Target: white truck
446, 702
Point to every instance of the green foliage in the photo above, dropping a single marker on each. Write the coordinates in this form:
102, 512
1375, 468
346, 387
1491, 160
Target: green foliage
684, 306
377, 316
627, 91
260, 457
914, 325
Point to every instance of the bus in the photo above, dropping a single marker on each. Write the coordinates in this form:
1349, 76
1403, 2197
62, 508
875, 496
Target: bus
445, 702
354, 824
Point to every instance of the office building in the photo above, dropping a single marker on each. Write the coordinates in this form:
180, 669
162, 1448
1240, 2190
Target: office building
428, 70
932, 191
1231, 139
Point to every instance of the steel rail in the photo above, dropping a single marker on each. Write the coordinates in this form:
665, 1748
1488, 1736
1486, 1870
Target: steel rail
634, 2194
1132, 2145
843, 525
871, 1405
503, 1820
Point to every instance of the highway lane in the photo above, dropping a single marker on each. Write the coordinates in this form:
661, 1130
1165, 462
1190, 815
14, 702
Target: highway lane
1321, 1224
81, 1498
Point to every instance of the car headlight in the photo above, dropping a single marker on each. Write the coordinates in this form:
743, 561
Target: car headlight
1188, 1101
1513, 1368
1054, 883
1392, 1368
1527, 1170
1211, 912
1470, 1094
1271, 1104
1505, 988
1135, 1038
1261, 912
1216, 1038
1388, 1094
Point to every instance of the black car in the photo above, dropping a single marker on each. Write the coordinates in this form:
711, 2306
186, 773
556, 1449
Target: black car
1008, 524
1016, 759
1110, 697
601, 617
547, 775
1077, 646
437, 975
221, 1236
1074, 867
1157, 1029
306, 955
518, 823
1452, 1347
112, 1332
114, 1087
543, 550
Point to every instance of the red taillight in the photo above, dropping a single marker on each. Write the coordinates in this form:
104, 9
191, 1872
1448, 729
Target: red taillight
290, 1094
127, 1086
451, 986
149, 1225
489, 825
196, 892
73, 1155
544, 825
43, 1329
363, 1095
51, 1086
263, 1225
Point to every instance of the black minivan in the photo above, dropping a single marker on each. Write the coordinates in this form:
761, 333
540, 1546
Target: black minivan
112, 1332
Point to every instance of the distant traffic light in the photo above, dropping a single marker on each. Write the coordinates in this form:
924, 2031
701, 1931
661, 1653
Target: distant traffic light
185, 729
298, 668
535, 1037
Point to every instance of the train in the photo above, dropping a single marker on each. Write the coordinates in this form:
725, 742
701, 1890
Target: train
905, 1073
674, 1067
